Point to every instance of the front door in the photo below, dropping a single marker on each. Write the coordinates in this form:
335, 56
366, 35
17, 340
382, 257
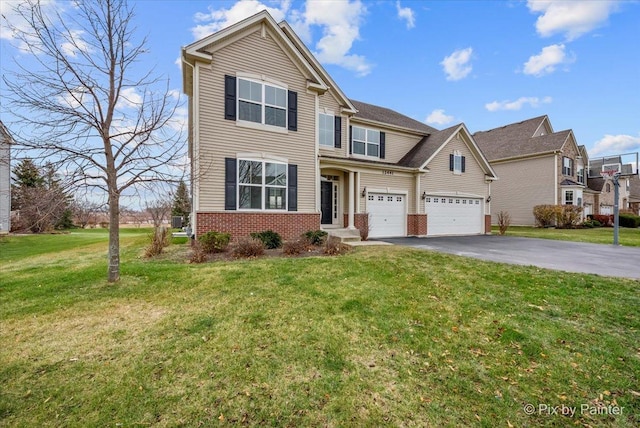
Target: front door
326, 198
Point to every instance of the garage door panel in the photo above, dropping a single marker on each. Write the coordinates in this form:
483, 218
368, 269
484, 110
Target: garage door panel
387, 215
453, 215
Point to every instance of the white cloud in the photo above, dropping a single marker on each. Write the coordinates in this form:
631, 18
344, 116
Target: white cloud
456, 66
76, 44
547, 61
217, 19
11, 19
517, 104
438, 117
616, 144
339, 21
573, 18
406, 13
129, 98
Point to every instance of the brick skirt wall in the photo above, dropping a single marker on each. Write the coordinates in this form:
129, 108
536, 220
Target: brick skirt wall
238, 224
487, 224
416, 224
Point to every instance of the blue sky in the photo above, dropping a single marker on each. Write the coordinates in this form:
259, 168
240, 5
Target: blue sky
484, 63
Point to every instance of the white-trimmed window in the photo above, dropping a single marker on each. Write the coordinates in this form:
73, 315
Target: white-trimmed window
365, 141
262, 185
568, 197
326, 124
262, 103
580, 174
567, 166
456, 162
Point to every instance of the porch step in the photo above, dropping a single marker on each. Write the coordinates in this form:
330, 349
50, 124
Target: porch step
345, 235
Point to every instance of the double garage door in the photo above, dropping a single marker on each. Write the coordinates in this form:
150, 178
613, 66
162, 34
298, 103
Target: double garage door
387, 215
448, 215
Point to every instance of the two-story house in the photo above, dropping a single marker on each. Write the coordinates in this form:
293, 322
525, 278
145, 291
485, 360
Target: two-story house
5, 179
604, 187
536, 166
275, 144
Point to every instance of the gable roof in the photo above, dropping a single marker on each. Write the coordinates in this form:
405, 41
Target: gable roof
5, 136
383, 115
517, 140
423, 152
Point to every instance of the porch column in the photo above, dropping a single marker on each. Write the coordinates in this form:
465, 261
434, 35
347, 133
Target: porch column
351, 200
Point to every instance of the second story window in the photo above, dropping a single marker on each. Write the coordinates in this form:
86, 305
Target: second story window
262, 103
457, 162
365, 141
326, 123
567, 166
580, 174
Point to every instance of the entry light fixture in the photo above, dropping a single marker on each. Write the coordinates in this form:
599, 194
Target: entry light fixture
489, 199
424, 195
364, 192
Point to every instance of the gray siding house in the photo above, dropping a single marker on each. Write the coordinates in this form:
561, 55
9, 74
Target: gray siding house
5, 179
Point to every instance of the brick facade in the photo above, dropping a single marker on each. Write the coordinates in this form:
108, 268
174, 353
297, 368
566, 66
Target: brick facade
487, 224
417, 224
241, 224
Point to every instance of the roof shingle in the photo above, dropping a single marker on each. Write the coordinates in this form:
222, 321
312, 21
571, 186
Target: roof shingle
391, 117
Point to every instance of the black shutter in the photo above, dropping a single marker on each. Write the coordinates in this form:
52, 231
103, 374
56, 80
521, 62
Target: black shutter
230, 97
463, 162
337, 132
451, 162
350, 140
382, 145
293, 110
292, 189
230, 165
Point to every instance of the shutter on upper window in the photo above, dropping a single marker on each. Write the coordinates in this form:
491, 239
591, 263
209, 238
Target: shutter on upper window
382, 145
293, 110
350, 140
337, 132
462, 162
230, 97
451, 162
292, 189
230, 165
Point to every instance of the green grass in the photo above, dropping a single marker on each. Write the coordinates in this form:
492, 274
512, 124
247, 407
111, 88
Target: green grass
600, 235
383, 336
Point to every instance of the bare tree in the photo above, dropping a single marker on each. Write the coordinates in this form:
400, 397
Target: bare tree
159, 212
89, 106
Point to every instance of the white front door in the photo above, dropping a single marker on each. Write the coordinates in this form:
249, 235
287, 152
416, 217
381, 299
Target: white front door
387, 215
449, 215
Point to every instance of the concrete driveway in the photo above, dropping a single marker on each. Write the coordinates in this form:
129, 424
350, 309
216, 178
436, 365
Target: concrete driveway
566, 256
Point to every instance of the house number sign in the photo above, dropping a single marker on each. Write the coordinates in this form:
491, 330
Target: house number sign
387, 172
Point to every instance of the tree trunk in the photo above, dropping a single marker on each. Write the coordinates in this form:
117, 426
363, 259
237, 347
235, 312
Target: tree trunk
114, 237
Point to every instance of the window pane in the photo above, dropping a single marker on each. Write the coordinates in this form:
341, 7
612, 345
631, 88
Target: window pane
373, 137
275, 116
250, 90
326, 123
281, 98
457, 163
358, 133
372, 150
276, 198
251, 112
276, 174
250, 172
358, 148
250, 197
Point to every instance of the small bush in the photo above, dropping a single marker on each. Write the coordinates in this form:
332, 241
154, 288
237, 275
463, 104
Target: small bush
605, 220
629, 220
568, 216
544, 215
333, 246
197, 253
214, 242
366, 227
596, 223
504, 221
293, 248
248, 247
316, 237
159, 240
269, 238
587, 224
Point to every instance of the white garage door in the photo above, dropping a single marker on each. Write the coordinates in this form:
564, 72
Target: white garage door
387, 215
453, 216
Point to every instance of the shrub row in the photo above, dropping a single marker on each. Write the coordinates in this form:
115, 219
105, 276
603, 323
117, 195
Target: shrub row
629, 220
563, 216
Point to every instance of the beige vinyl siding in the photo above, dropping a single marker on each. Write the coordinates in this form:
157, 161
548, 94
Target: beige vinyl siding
329, 102
220, 138
396, 144
5, 186
439, 179
376, 180
570, 150
522, 185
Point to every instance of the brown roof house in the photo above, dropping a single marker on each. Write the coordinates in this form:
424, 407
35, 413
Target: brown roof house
536, 166
275, 144
603, 187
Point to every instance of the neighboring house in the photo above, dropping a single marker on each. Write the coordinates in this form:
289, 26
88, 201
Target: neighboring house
536, 166
634, 194
604, 187
275, 144
5, 179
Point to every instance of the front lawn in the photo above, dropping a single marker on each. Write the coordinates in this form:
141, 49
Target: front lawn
599, 235
382, 336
